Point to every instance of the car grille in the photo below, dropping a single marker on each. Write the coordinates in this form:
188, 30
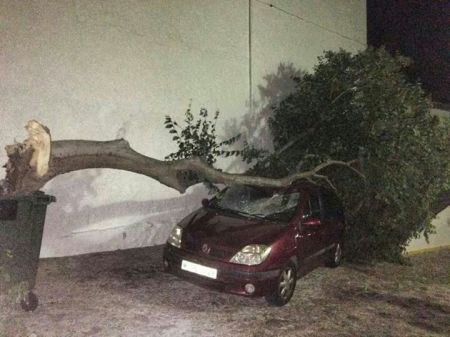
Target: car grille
196, 243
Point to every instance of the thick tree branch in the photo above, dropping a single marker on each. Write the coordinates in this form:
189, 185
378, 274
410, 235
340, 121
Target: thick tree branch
72, 155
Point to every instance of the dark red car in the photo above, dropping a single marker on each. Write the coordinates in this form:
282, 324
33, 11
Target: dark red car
256, 241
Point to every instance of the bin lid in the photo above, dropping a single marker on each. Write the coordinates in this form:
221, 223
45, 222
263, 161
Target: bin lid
36, 197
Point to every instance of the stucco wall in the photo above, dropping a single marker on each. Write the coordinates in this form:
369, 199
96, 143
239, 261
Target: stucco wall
94, 69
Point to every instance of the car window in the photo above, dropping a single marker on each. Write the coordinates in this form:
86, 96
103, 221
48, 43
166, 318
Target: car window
331, 205
312, 208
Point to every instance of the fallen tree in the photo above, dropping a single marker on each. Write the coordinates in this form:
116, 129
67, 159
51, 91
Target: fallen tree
38, 159
352, 106
364, 106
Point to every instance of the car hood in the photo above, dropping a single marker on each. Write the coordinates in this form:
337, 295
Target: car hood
225, 233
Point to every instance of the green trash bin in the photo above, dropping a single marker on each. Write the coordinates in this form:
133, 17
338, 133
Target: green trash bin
21, 226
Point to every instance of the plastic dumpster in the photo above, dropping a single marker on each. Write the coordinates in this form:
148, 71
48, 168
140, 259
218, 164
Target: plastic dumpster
21, 225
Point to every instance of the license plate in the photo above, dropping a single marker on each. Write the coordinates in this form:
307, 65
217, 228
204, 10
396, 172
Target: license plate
199, 269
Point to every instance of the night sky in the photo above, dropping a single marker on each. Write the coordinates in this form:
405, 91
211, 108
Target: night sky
419, 29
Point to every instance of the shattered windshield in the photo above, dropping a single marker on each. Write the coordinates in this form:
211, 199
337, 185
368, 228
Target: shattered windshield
258, 202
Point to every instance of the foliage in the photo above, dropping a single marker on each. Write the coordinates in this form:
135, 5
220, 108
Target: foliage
362, 107
198, 138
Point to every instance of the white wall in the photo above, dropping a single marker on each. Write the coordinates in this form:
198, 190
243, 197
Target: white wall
96, 69
441, 238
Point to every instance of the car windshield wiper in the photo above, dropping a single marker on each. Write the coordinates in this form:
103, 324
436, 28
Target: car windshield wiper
259, 216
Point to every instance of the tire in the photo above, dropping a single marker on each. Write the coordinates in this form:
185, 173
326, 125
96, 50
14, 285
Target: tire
166, 266
29, 302
285, 286
335, 256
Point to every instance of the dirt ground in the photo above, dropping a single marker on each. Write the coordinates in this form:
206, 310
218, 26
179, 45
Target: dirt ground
126, 293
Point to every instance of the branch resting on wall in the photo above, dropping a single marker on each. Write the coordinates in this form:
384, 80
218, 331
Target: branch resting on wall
37, 160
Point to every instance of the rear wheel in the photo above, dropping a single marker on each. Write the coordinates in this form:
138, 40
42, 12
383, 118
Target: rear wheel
335, 256
29, 302
285, 286
166, 266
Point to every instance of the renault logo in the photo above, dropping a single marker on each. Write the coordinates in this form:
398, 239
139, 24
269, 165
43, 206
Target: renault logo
206, 249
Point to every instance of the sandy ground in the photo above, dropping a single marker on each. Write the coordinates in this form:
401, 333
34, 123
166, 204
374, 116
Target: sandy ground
126, 293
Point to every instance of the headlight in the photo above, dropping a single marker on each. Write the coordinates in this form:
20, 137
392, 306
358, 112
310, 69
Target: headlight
175, 236
251, 255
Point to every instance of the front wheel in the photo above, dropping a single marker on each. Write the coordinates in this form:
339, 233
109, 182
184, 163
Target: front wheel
335, 256
285, 286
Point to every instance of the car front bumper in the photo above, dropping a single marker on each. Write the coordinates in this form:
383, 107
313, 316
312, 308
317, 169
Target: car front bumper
231, 277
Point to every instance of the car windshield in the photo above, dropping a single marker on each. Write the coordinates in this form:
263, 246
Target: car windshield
258, 202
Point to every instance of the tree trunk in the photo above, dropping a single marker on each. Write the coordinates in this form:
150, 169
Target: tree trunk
37, 160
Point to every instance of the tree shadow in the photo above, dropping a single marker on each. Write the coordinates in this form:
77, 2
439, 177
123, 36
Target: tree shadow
421, 313
418, 312
87, 228
72, 224
141, 262
253, 126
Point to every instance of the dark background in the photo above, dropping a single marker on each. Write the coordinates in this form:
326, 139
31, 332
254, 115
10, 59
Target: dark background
419, 29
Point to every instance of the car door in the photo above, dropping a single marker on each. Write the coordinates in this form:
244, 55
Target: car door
309, 239
332, 219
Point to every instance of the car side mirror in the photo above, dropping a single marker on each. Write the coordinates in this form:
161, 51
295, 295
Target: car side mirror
311, 222
205, 202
